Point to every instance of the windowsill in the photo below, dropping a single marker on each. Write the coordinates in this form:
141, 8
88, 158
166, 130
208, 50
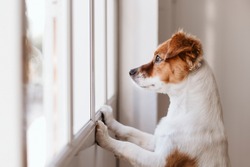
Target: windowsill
84, 139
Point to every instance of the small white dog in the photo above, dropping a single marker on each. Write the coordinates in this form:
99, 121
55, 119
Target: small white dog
192, 134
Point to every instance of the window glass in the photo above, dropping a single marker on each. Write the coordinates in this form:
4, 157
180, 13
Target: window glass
81, 64
111, 49
33, 65
100, 53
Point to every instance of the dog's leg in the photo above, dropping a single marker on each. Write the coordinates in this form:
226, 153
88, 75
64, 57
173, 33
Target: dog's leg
136, 155
127, 133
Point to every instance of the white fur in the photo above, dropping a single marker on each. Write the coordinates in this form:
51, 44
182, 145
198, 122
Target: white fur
193, 125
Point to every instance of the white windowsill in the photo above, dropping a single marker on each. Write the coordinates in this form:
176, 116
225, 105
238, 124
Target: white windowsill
85, 138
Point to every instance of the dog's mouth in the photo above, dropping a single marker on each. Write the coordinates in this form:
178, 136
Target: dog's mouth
141, 80
147, 86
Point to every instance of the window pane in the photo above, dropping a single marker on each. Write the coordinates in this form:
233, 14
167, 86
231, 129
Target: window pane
100, 53
55, 95
35, 117
81, 64
111, 49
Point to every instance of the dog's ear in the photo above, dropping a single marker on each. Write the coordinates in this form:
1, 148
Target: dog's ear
187, 47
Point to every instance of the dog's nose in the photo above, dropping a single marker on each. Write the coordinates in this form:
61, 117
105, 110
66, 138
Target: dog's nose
133, 71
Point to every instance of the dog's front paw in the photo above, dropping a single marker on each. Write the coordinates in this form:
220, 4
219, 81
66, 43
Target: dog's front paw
102, 136
107, 114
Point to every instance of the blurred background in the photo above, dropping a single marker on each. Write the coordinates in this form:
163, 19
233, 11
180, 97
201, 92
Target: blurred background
52, 48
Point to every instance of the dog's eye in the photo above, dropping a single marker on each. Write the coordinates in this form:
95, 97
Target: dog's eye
158, 59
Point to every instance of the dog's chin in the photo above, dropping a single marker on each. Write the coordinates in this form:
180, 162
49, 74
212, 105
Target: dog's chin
141, 83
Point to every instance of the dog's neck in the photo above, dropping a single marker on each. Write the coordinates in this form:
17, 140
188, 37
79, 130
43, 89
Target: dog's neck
197, 95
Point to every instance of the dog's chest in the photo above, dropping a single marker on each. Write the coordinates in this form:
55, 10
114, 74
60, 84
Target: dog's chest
164, 128
172, 132
170, 126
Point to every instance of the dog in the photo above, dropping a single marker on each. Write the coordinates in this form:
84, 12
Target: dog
192, 134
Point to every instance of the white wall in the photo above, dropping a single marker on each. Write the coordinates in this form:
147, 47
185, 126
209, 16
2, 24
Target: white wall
12, 146
138, 26
137, 41
223, 26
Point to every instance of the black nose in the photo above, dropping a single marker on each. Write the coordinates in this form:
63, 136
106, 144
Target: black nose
133, 71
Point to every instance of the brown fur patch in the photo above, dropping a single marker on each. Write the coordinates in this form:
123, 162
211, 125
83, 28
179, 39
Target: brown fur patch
180, 55
171, 71
178, 159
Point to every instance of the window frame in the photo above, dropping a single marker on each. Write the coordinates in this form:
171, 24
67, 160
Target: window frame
85, 137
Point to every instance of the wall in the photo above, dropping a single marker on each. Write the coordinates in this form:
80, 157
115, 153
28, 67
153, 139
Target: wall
138, 27
12, 136
137, 42
223, 26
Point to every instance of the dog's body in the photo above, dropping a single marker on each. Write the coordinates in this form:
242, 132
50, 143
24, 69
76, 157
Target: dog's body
192, 134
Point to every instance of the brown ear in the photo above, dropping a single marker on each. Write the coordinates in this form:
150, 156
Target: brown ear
187, 47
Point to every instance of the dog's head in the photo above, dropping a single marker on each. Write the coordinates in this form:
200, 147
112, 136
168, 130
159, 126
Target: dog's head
172, 62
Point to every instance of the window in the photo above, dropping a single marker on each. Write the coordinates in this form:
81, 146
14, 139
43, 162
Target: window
71, 74
100, 53
81, 63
